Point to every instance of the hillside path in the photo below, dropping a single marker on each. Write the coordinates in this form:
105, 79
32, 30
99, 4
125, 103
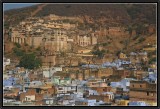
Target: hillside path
38, 9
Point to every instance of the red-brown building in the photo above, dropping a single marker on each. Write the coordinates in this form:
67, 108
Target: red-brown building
142, 91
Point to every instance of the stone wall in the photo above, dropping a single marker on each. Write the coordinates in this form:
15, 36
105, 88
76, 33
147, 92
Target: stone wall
142, 96
48, 60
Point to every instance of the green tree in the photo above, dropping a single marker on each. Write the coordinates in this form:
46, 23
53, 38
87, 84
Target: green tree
152, 60
18, 52
118, 52
99, 53
17, 45
38, 48
30, 61
6, 25
141, 40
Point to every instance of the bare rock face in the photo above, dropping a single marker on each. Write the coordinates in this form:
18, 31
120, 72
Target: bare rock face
133, 33
152, 29
8, 47
104, 13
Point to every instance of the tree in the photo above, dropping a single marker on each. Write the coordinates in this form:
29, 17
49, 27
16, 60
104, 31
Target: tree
17, 45
6, 25
30, 61
152, 60
18, 52
38, 48
109, 84
99, 53
141, 39
118, 52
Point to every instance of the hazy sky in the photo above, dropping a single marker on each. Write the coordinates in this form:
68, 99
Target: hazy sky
7, 6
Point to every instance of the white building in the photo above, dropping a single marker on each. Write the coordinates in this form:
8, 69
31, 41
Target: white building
46, 73
30, 98
88, 102
124, 83
6, 62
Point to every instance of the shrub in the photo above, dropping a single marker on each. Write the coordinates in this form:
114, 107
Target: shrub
135, 37
99, 53
17, 45
25, 44
152, 60
30, 61
18, 52
141, 40
104, 44
38, 48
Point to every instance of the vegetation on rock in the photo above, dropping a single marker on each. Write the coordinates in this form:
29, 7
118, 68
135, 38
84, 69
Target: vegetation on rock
30, 61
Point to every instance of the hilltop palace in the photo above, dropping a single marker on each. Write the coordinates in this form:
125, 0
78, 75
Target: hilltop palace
56, 34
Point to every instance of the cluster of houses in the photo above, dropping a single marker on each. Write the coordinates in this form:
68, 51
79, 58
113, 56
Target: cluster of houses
75, 78
118, 83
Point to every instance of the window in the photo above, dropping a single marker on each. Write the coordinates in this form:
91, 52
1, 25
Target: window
133, 85
60, 88
47, 102
62, 39
127, 73
52, 39
72, 87
93, 83
147, 93
140, 85
44, 39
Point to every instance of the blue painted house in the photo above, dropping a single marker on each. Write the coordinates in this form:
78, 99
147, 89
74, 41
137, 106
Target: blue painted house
10, 81
19, 86
138, 103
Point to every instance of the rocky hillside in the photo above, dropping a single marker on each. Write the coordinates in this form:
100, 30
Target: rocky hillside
133, 16
110, 14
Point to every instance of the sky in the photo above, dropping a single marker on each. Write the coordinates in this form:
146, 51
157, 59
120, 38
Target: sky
7, 6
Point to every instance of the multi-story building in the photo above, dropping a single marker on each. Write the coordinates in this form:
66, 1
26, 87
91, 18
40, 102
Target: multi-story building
55, 40
142, 91
86, 40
